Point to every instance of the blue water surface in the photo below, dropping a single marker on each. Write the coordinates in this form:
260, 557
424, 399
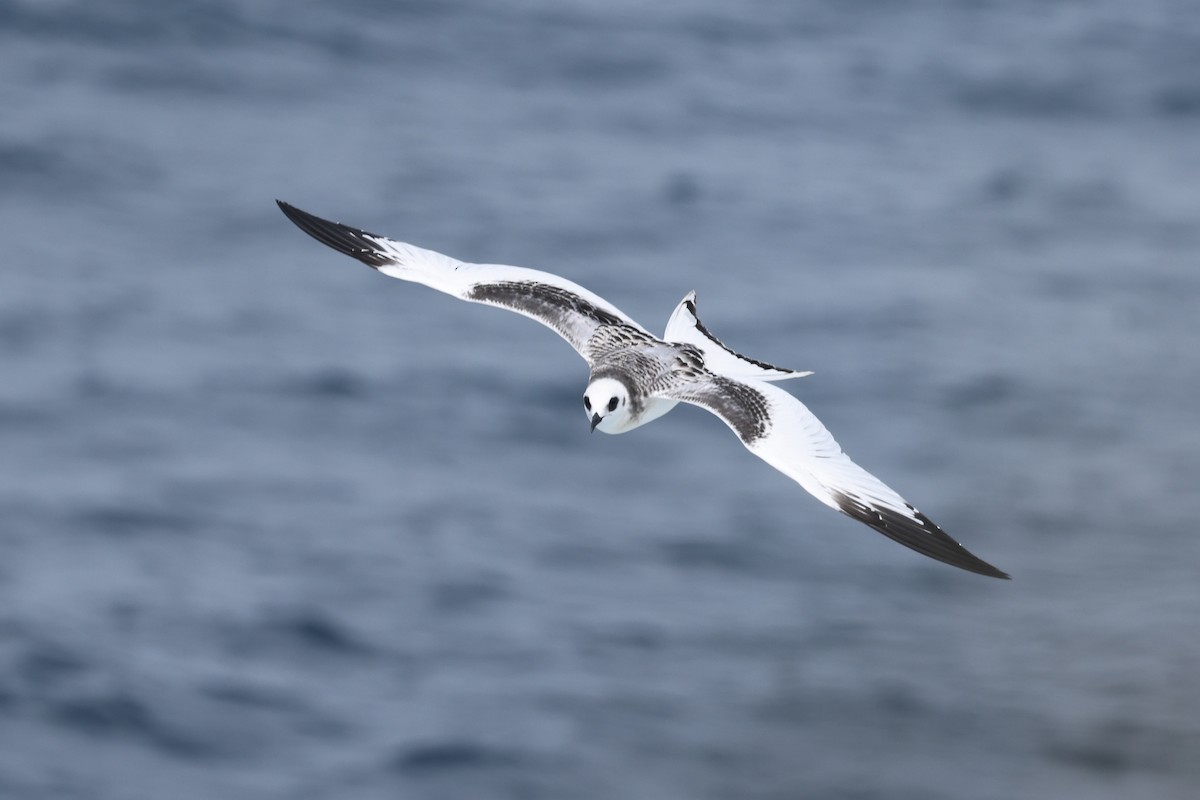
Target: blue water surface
274, 526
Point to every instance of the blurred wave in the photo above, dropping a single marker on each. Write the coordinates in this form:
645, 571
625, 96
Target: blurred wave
274, 526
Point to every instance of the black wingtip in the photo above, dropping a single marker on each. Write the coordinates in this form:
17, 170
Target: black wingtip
356, 243
918, 533
962, 557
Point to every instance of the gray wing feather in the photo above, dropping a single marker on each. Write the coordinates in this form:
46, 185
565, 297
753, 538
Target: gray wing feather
566, 307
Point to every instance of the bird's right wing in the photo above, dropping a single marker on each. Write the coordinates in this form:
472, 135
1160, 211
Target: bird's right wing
566, 307
780, 430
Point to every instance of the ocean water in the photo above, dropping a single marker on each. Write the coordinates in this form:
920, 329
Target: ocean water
274, 526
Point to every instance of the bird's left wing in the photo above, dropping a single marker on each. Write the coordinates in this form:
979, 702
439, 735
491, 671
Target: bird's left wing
780, 430
566, 307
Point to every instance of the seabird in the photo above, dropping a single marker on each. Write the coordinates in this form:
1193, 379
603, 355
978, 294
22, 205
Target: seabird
637, 377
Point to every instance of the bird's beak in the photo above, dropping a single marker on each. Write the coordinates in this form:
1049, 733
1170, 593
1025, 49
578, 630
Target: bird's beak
595, 421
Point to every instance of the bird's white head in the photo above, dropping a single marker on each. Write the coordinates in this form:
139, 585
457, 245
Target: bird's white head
608, 405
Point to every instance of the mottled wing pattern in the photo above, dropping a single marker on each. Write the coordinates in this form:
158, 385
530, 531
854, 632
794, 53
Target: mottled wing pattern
780, 430
571, 310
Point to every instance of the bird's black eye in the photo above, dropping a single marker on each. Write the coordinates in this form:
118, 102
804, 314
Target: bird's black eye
612, 404
587, 403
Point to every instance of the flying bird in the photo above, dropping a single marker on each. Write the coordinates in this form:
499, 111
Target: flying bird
637, 377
